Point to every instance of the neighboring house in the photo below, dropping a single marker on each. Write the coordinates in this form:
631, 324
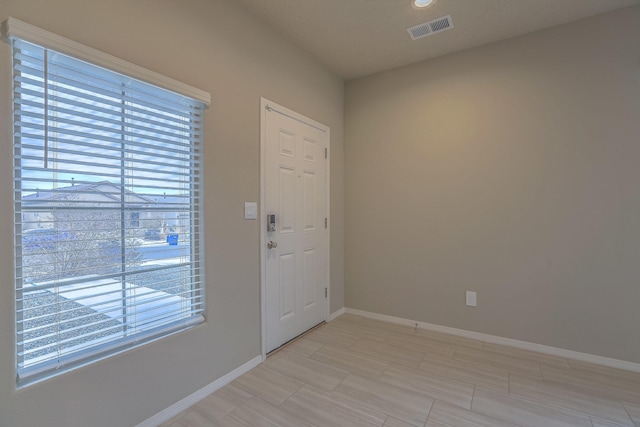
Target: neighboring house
174, 212
38, 207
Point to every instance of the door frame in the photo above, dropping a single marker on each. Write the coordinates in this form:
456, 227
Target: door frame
262, 219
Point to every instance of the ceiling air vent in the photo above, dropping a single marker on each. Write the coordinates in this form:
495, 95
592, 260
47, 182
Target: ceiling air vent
431, 27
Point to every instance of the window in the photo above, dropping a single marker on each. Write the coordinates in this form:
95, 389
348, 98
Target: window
107, 200
134, 218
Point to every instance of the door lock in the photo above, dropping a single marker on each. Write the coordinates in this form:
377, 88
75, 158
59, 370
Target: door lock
271, 244
271, 222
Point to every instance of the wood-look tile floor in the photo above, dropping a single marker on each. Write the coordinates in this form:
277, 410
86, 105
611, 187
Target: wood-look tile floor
356, 371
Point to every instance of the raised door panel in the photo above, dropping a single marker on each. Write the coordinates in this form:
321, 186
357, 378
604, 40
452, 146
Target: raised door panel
287, 202
309, 198
287, 285
310, 278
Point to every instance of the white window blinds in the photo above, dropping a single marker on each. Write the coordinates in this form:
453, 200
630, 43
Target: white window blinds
107, 210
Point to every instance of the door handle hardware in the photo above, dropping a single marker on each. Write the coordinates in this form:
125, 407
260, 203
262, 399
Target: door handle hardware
271, 222
272, 244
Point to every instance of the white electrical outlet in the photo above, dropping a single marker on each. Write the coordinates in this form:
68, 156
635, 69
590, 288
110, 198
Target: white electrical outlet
471, 299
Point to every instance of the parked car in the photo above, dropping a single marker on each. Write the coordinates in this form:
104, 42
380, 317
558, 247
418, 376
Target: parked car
152, 234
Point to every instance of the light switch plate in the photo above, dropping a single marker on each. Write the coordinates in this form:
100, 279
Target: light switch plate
250, 210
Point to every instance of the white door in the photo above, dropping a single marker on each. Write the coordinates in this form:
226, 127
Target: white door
296, 250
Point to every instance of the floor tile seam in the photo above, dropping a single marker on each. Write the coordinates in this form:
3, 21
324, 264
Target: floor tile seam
615, 423
455, 351
363, 356
441, 341
594, 372
592, 389
424, 353
593, 419
237, 418
302, 384
426, 420
212, 418
543, 355
404, 389
507, 370
629, 413
381, 359
483, 349
558, 406
281, 408
351, 411
316, 361
279, 373
562, 408
305, 383
179, 416
564, 387
288, 398
365, 404
337, 385
428, 394
598, 377
446, 378
498, 416
390, 345
473, 396
627, 381
492, 416
514, 358
375, 375
530, 360
491, 374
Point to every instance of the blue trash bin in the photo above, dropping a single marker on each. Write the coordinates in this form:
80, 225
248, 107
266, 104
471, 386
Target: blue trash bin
172, 239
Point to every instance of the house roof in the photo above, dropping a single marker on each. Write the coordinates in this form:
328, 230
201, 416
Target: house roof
99, 192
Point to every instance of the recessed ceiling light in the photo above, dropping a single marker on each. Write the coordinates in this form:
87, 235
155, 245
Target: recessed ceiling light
421, 4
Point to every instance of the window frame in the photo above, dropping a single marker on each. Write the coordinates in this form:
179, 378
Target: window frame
14, 29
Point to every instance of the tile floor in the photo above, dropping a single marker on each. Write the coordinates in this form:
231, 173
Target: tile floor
356, 371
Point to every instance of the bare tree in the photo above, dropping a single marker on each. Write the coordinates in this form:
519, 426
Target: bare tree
84, 241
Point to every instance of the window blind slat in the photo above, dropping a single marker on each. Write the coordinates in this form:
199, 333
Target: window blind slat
165, 129
146, 186
100, 105
104, 175
188, 303
164, 319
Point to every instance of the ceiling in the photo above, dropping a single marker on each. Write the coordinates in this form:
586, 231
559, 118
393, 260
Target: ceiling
355, 38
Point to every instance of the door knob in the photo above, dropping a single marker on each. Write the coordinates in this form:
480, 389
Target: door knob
272, 244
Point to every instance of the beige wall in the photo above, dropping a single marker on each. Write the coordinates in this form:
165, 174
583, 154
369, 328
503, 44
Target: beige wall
213, 45
512, 170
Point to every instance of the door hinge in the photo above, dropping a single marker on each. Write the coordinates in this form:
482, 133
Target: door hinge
325, 153
325, 292
326, 223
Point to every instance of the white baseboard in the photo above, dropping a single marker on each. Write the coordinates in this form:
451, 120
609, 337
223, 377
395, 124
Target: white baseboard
335, 314
554, 351
176, 408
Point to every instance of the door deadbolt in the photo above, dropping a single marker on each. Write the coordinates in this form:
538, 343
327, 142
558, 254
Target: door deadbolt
271, 222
